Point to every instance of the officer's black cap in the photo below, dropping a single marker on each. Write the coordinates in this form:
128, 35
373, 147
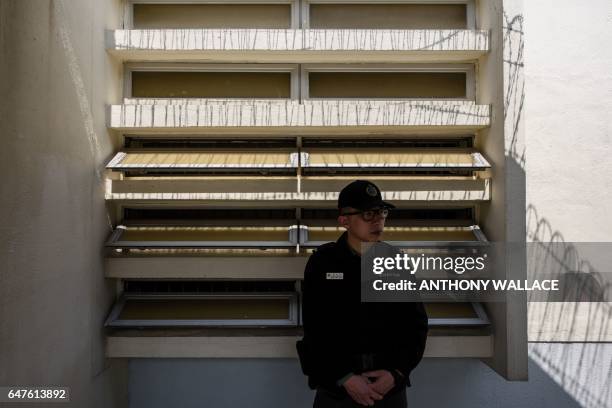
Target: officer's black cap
362, 195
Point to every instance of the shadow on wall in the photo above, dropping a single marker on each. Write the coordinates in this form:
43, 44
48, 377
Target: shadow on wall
551, 254
514, 101
583, 369
469, 383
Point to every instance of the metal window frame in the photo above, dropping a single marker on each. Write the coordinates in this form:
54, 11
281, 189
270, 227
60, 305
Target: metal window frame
115, 242
481, 320
128, 14
481, 240
114, 321
468, 69
471, 19
129, 68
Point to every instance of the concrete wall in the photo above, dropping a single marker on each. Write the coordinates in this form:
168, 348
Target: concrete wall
436, 383
56, 82
502, 218
569, 100
568, 84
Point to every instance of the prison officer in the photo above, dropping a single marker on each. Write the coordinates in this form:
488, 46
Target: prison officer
356, 353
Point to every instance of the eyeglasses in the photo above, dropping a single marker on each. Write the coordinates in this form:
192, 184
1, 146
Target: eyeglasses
369, 215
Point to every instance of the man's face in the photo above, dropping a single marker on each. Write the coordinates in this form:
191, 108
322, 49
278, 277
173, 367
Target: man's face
365, 231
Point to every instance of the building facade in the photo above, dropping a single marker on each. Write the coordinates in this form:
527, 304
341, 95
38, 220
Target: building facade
188, 155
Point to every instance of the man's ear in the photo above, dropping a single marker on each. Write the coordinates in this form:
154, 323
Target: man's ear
343, 221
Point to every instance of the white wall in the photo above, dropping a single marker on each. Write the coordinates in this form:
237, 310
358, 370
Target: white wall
568, 116
568, 87
53, 295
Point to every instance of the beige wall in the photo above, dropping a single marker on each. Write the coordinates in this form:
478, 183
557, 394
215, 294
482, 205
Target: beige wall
387, 85
400, 16
57, 79
503, 217
155, 84
212, 16
211, 84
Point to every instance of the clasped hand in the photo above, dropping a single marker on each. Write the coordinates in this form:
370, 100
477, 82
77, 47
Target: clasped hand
369, 387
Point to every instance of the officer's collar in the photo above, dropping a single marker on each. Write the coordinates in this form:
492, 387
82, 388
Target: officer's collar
343, 243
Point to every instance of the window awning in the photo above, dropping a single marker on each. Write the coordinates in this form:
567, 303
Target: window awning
150, 237
210, 309
251, 309
205, 162
456, 314
419, 237
317, 162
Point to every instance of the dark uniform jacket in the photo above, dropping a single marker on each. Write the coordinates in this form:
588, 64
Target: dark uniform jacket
339, 328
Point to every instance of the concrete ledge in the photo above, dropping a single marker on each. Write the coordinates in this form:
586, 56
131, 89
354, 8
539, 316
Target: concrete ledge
268, 347
298, 45
177, 267
479, 190
201, 347
294, 117
459, 346
413, 190
440, 103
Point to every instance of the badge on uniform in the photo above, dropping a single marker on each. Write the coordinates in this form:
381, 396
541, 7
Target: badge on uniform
334, 275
